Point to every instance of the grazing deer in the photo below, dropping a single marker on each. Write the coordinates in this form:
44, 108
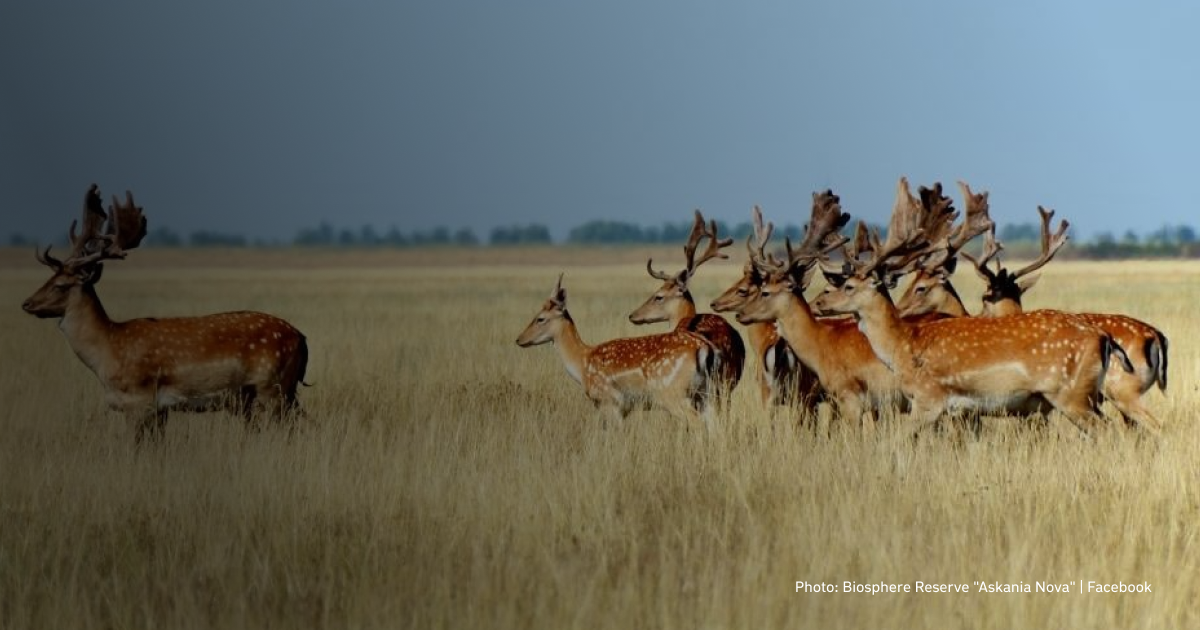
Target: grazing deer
673, 303
148, 366
678, 369
834, 349
965, 363
782, 378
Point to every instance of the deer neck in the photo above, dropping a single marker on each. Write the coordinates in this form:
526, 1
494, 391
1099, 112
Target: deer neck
572, 349
87, 327
683, 313
887, 333
798, 326
762, 335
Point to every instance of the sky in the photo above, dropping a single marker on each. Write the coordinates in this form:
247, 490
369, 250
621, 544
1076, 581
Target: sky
261, 118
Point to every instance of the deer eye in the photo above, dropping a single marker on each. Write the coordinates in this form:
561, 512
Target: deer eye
541, 319
742, 293
922, 289
658, 298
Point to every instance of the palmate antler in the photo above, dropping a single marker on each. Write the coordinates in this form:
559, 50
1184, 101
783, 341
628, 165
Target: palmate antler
1051, 243
906, 241
821, 236
126, 227
698, 233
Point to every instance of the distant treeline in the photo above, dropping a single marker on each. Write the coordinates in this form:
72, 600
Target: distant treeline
1019, 239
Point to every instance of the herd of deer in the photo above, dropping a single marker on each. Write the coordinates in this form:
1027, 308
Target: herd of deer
853, 346
926, 354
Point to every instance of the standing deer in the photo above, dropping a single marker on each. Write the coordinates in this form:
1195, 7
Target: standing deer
673, 303
783, 379
965, 363
834, 349
678, 369
1145, 345
148, 366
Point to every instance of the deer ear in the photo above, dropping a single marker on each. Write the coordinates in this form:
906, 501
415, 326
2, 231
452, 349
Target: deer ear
90, 274
948, 266
833, 277
1026, 283
888, 281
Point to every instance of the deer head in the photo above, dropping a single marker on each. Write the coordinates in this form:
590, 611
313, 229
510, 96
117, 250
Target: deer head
549, 320
871, 268
785, 280
126, 227
930, 289
736, 296
673, 298
1004, 289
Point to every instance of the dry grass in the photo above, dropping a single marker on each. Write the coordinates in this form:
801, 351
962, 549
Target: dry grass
446, 478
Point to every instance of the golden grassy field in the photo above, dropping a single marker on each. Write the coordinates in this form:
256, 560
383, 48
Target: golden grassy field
446, 478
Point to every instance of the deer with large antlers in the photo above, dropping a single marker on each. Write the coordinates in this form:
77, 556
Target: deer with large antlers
678, 369
149, 366
978, 364
834, 349
930, 290
783, 379
673, 303
1145, 345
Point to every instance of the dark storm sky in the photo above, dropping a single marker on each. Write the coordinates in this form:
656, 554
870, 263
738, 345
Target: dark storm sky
263, 117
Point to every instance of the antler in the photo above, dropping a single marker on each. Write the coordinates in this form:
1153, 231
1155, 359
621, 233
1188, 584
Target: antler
699, 231
125, 231
821, 235
1050, 243
713, 250
93, 219
906, 241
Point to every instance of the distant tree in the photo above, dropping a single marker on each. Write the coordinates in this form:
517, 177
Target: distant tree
346, 238
368, 237
164, 237
607, 232
206, 238
395, 238
322, 235
532, 234
465, 237
18, 240
1015, 232
1185, 234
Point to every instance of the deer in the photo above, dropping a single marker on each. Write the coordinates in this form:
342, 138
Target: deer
149, 366
1002, 296
783, 379
930, 290
964, 363
673, 303
677, 369
834, 349
1146, 345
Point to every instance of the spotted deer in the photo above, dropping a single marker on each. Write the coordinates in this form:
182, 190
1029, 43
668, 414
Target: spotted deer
965, 363
782, 378
148, 366
673, 303
834, 349
676, 369
1145, 344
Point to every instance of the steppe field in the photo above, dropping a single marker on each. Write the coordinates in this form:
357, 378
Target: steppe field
445, 478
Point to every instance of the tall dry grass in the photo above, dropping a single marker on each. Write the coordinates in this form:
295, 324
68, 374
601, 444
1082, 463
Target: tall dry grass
446, 478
